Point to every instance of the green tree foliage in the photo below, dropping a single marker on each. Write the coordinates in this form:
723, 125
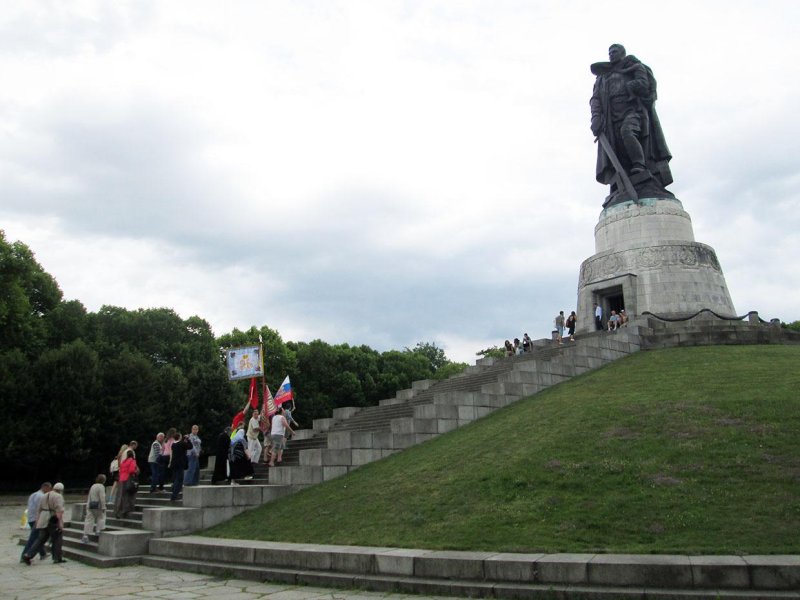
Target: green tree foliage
27, 293
67, 406
74, 385
794, 325
493, 351
442, 367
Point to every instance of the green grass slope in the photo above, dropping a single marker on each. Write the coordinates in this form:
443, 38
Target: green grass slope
689, 450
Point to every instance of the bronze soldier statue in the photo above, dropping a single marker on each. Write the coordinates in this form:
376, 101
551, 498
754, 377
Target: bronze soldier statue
632, 156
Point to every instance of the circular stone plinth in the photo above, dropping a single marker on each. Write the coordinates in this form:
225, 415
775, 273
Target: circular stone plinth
648, 222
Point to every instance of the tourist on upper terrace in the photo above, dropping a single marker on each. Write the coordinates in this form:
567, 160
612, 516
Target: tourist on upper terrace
95, 519
49, 525
559, 322
279, 428
571, 320
509, 349
192, 476
527, 343
598, 317
34, 501
613, 321
623, 318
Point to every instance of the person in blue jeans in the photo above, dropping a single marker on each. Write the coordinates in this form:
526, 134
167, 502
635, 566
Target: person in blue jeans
34, 501
192, 476
180, 448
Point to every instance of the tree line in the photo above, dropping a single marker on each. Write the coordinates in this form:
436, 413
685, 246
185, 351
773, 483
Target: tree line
76, 384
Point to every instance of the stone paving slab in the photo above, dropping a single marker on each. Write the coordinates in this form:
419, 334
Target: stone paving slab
44, 580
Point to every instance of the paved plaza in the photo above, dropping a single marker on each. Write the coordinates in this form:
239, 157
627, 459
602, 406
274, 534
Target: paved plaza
44, 580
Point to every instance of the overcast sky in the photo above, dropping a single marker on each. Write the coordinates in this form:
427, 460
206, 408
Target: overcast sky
377, 172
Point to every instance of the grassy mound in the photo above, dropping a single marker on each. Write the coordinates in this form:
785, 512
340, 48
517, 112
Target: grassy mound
690, 450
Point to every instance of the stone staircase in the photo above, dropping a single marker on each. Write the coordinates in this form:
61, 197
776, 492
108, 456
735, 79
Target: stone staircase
355, 436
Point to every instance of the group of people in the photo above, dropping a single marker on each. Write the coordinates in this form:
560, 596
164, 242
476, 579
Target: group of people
568, 323
240, 449
46, 521
526, 344
614, 322
171, 454
518, 347
237, 452
176, 454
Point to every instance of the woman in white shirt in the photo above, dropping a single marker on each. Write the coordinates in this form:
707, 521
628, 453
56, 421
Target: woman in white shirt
278, 434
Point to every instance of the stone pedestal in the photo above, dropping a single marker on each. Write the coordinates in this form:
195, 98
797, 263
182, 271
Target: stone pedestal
646, 259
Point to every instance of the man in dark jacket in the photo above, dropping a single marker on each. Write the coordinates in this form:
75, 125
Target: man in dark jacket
179, 463
221, 462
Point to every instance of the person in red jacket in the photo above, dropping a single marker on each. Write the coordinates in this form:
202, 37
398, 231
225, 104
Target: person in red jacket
128, 480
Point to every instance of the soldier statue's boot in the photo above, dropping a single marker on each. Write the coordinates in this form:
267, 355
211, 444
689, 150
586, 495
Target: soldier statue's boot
635, 154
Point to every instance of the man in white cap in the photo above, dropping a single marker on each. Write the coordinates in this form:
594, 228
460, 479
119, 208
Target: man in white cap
50, 524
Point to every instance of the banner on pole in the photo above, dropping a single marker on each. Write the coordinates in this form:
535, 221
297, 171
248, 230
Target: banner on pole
244, 362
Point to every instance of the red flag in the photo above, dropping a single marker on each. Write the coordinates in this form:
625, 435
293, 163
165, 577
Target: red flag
253, 393
239, 418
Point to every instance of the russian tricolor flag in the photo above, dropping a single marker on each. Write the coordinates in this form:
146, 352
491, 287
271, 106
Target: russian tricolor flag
284, 393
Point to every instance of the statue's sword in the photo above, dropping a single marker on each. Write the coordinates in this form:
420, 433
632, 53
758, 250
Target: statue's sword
612, 156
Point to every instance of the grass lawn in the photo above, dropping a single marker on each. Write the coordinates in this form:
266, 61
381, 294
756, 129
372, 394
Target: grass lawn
687, 450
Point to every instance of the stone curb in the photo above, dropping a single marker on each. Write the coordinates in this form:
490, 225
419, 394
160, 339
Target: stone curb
654, 572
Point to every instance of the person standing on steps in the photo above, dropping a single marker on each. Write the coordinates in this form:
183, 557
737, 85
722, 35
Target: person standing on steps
128, 486
571, 320
95, 509
221, 466
526, 343
49, 524
180, 448
559, 321
598, 317
279, 428
156, 466
253, 445
192, 476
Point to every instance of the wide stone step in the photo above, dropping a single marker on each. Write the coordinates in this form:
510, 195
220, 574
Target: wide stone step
90, 557
486, 573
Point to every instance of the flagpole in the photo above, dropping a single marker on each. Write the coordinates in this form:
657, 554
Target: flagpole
263, 374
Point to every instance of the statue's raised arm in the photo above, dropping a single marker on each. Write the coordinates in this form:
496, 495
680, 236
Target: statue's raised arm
632, 156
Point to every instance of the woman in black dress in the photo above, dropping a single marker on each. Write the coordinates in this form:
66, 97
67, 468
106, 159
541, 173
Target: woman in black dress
221, 462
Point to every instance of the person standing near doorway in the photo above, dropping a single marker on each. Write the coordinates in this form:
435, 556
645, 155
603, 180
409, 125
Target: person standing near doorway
571, 320
598, 317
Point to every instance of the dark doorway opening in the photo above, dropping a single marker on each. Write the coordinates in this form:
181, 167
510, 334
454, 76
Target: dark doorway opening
616, 302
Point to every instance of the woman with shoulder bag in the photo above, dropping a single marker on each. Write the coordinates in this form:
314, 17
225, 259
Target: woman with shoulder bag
95, 509
129, 483
113, 470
